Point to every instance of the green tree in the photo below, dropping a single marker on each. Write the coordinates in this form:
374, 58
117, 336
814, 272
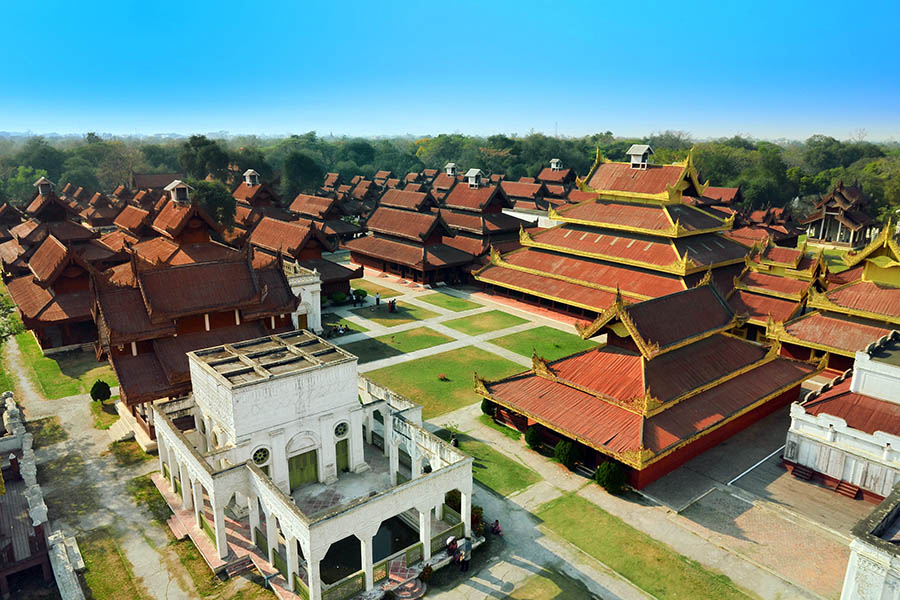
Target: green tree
252, 158
299, 174
80, 174
611, 476
161, 157
566, 452
20, 187
822, 152
100, 391
201, 156
533, 437
215, 199
39, 154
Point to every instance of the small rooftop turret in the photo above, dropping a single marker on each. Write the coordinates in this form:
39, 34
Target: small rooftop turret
450, 169
474, 176
555, 164
44, 186
640, 155
179, 192
251, 177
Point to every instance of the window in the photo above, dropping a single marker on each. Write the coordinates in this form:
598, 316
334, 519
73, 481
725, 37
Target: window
261, 456
340, 430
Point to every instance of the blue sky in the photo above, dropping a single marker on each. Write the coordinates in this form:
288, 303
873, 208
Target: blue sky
767, 69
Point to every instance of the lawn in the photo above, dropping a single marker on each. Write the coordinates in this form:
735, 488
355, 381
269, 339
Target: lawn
493, 469
549, 342
128, 453
835, 260
419, 379
144, 493
68, 493
46, 431
448, 302
389, 345
549, 585
649, 564
509, 432
491, 320
105, 414
64, 374
332, 320
405, 313
372, 288
109, 575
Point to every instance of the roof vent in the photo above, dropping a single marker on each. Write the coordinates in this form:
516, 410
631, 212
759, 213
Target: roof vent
555, 164
251, 177
44, 186
474, 176
179, 192
640, 155
450, 169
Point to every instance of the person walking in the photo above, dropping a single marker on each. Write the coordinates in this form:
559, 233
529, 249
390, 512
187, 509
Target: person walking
466, 555
377, 298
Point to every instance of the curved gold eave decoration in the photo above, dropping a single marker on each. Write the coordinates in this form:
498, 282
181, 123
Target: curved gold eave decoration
822, 301
883, 240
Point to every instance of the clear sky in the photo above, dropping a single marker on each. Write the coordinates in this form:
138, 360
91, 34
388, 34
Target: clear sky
768, 69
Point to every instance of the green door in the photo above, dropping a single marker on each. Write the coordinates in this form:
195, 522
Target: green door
303, 469
342, 449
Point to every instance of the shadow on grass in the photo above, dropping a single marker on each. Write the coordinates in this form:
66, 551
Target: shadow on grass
371, 350
69, 495
46, 431
128, 453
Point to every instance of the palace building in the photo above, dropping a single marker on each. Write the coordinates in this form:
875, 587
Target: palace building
326, 213
669, 383
293, 464
840, 218
635, 234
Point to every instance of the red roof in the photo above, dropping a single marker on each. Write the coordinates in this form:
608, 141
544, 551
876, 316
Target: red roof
836, 331
174, 217
722, 194
863, 413
331, 179
125, 316
477, 199
407, 199
621, 177
575, 196
406, 224
775, 283
548, 174
642, 216
38, 304
759, 307
132, 219
518, 189
868, 296
443, 181
281, 236
164, 250
313, 206
583, 239
482, 223
406, 253
48, 260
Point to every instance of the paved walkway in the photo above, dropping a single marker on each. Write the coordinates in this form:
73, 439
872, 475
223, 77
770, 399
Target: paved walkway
140, 539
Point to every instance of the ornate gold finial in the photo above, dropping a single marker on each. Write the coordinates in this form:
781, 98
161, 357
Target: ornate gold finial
539, 366
524, 236
496, 258
706, 279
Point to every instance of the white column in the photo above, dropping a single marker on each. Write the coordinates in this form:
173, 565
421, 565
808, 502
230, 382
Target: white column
198, 501
365, 549
219, 521
388, 429
466, 502
415, 462
209, 434
253, 506
292, 560
425, 530
315, 581
161, 450
395, 462
173, 470
186, 500
370, 423
439, 510
271, 536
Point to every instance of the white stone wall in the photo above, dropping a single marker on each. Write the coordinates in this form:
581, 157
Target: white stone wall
875, 378
872, 574
308, 288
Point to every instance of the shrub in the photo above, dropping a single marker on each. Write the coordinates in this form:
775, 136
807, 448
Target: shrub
100, 391
566, 453
443, 377
487, 407
477, 520
360, 294
533, 437
611, 476
339, 297
426, 573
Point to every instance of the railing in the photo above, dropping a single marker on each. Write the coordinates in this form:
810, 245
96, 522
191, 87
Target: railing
205, 526
300, 588
414, 554
261, 542
455, 517
380, 571
345, 588
281, 564
438, 541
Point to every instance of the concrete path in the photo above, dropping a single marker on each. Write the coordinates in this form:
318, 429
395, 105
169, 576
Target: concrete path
140, 538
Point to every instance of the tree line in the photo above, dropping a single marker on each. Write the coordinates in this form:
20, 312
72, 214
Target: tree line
770, 174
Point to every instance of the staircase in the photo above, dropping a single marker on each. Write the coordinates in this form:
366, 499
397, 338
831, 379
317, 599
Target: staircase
177, 528
239, 567
801, 472
845, 488
120, 431
410, 589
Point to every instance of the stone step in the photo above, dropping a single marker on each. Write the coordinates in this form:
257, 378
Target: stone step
845, 488
239, 567
410, 589
120, 431
177, 528
802, 472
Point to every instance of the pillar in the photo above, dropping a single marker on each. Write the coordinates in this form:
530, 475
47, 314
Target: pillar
271, 536
395, 462
415, 461
292, 561
253, 506
315, 581
161, 451
207, 423
439, 510
425, 530
466, 507
186, 499
173, 470
388, 429
219, 521
198, 501
365, 549
370, 423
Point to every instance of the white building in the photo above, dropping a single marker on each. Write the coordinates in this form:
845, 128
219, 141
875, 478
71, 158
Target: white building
873, 571
294, 454
847, 435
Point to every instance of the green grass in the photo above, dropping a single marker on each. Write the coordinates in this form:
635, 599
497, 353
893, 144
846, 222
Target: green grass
405, 313
372, 288
549, 585
649, 564
491, 320
448, 302
834, 258
64, 374
144, 493
109, 575
418, 379
509, 432
46, 431
105, 414
332, 320
493, 469
128, 453
549, 342
389, 345
68, 493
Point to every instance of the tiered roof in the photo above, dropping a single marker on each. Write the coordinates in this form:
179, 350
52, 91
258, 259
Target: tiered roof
848, 204
667, 375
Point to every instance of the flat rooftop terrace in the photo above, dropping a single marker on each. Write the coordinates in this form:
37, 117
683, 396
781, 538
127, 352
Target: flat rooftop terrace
262, 358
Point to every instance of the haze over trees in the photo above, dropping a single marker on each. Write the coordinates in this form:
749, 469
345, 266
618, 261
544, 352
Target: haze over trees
770, 174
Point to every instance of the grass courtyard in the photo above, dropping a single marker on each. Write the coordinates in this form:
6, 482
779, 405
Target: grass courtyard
373, 288
419, 380
389, 345
549, 585
649, 564
64, 374
330, 320
109, 575
493, 469
46, 431
491, 320
549, 342
105, 414
405, 313
448, 302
